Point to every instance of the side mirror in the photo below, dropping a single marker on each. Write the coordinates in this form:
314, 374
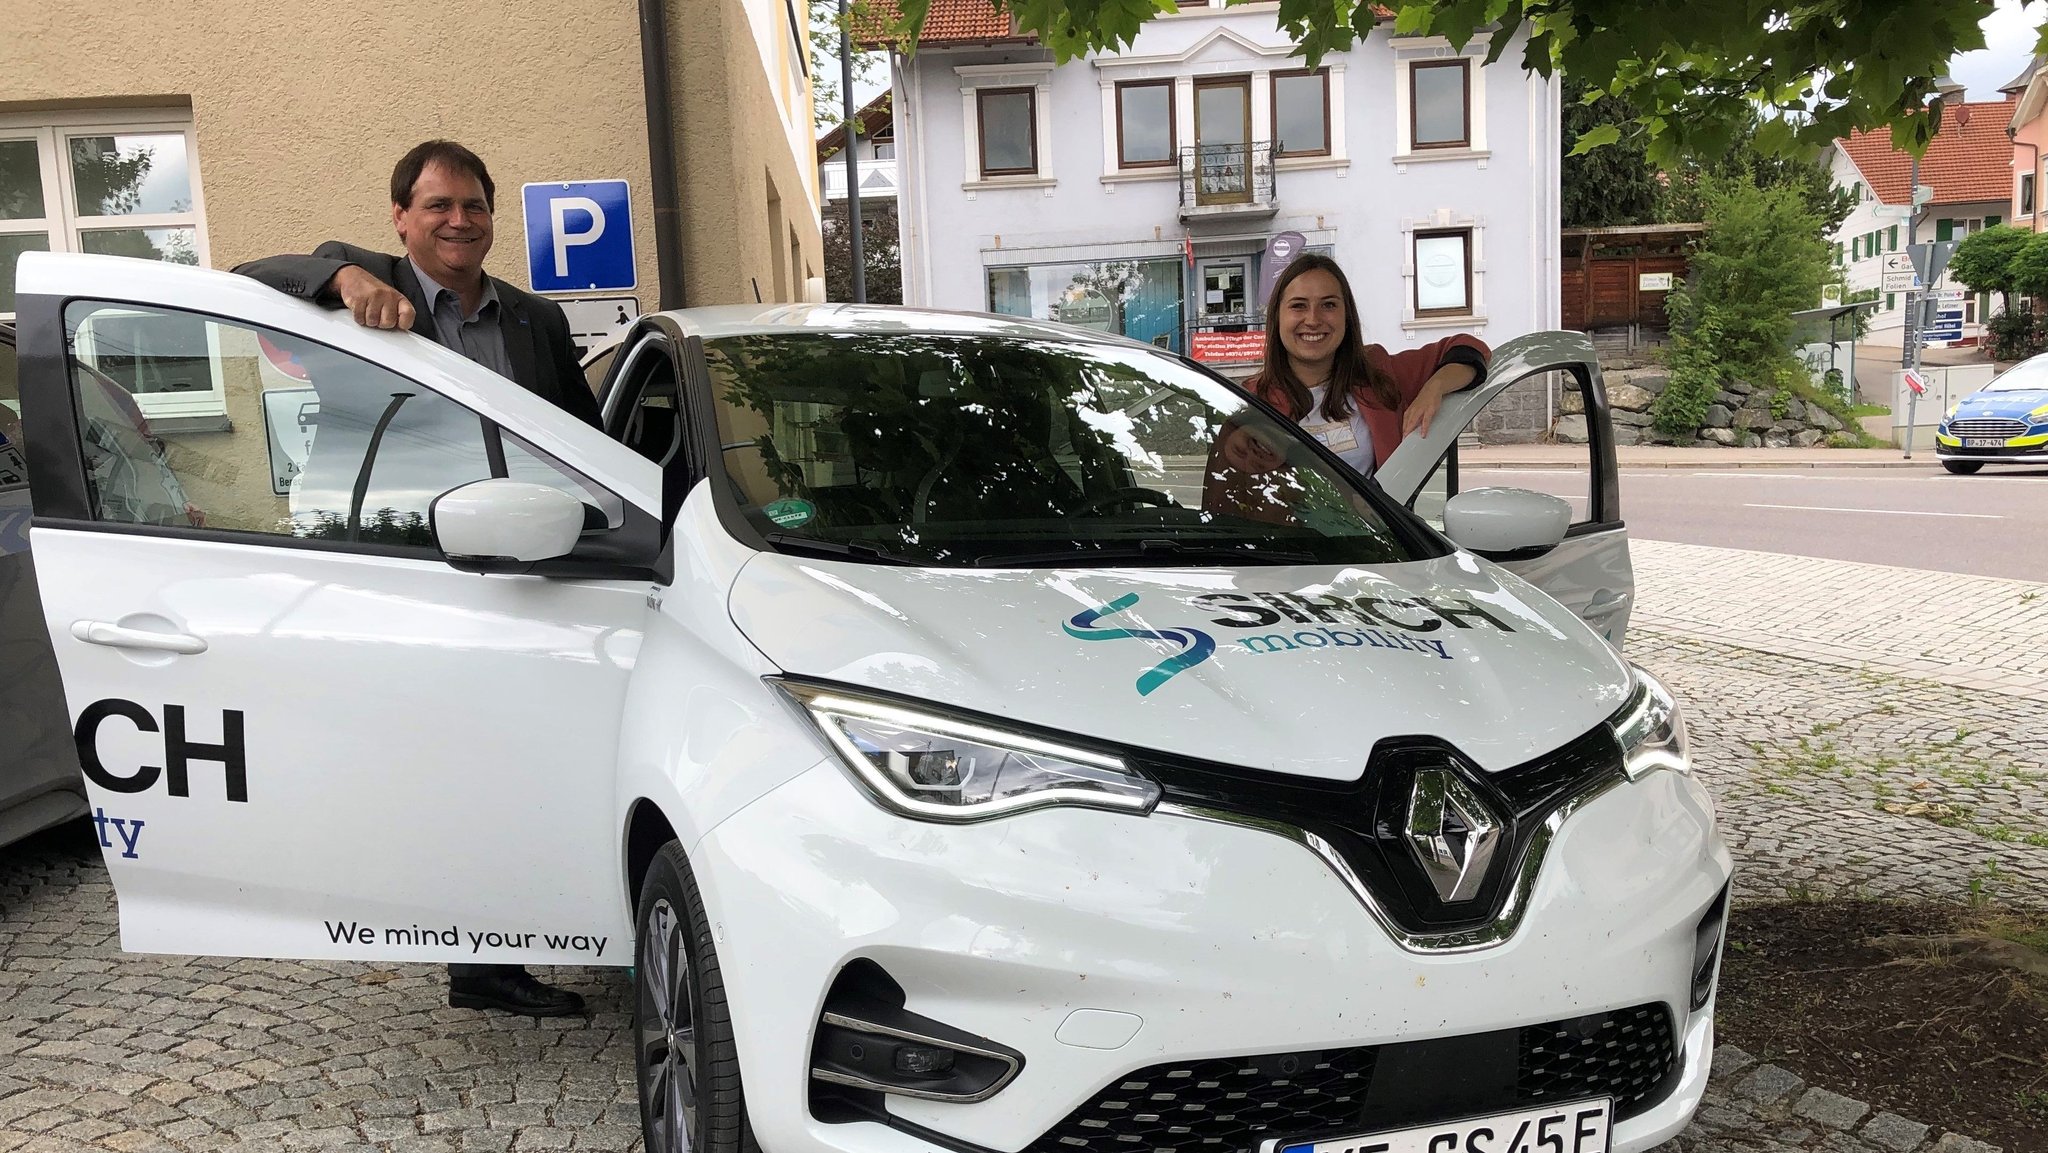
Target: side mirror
505, 526
1506, 523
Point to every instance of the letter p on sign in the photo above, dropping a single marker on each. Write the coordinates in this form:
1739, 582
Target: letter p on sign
579, 236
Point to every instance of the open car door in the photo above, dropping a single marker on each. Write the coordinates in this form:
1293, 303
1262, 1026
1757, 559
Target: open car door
308, 731
1589, 572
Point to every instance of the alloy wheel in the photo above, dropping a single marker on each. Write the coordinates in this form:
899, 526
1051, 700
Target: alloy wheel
668, 1032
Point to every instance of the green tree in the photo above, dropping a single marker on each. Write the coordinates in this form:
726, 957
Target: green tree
1685, 194
2030, 266
1762, 260
1697, 71
1606, 186
1984, 261
828, 108
881, 252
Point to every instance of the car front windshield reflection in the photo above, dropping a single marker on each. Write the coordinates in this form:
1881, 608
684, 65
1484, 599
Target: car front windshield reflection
1006, 451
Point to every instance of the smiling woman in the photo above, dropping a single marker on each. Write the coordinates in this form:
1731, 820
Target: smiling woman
1359, 400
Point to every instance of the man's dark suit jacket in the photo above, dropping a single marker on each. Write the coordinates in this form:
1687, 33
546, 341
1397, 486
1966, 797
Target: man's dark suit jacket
536, 332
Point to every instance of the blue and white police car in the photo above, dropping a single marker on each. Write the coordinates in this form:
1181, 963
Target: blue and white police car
2005, 422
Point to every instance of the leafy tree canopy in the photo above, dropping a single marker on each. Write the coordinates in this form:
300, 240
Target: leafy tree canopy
1697, 71
1607, 186
1984, 260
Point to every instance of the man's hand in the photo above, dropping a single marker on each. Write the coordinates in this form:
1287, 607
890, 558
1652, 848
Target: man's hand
374, 303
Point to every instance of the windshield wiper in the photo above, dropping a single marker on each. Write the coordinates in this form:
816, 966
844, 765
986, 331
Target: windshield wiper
1171, 551
792, 543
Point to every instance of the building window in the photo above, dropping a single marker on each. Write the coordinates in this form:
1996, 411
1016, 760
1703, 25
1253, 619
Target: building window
1008, 120
1301, 113
884, 143
1139, 299
1144, 124
1439, 106
1443, 273
124, 189
2026, 194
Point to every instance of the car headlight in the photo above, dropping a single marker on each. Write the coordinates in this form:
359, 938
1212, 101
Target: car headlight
934, 767
1651, 730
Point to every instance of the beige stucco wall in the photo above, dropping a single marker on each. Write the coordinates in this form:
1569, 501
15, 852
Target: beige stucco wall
300, 111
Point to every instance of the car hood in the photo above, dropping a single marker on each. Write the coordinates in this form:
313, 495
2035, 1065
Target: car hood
2009, 404
1295, 669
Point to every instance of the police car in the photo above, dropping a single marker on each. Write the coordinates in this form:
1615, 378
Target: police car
2005, 422
974, 733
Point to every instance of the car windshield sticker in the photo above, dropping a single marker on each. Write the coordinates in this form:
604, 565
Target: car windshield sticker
790, 513
1195, 645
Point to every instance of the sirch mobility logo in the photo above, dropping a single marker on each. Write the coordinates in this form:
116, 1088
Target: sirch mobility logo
1195, 645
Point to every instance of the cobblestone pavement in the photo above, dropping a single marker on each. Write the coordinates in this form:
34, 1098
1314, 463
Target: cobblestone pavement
1838, 770
1969, 631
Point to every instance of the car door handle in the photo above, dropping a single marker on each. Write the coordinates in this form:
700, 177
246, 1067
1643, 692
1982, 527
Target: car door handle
114, 636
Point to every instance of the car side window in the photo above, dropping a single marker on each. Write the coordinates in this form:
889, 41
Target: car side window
1506, 417
320, 444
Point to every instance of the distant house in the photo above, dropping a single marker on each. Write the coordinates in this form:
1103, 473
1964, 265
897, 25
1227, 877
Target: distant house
2029, 132
876, 148
1153, 192
1969, 168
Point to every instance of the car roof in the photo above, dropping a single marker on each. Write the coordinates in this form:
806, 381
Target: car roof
714, 322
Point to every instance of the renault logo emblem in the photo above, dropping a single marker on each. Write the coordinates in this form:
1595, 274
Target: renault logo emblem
1452, 834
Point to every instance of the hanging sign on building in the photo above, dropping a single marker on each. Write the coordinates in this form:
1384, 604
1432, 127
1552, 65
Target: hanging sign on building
1281, 248
1227, 347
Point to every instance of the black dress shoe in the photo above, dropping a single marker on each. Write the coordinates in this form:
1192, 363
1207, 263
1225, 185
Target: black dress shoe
510, 988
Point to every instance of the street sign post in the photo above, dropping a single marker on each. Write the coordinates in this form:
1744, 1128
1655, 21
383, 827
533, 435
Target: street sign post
579, 236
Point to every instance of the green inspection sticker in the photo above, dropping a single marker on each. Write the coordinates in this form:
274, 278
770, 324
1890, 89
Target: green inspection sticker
790, 513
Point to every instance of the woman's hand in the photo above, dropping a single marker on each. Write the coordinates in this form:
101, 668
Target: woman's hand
1423, 409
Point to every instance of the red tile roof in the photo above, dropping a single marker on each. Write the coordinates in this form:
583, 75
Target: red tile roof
945, 22
1969, 159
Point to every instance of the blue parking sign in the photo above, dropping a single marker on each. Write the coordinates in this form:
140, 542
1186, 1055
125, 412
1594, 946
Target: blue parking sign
579, 236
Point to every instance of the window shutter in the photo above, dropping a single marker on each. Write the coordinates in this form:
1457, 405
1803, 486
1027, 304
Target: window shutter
1855, 248
1892, 239
1944, 229
1888, 298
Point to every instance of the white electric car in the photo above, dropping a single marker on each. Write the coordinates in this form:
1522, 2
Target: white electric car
979, 734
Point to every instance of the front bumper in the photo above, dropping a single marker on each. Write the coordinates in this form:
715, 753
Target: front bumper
2019, 450
1200, 939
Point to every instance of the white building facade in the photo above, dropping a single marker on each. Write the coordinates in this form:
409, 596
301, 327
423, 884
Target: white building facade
1139, 192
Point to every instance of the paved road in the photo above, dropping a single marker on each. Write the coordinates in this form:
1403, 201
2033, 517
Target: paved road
1870, 767
1991, 524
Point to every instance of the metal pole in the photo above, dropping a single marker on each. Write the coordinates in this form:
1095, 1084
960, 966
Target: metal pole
1912, 308
859, 258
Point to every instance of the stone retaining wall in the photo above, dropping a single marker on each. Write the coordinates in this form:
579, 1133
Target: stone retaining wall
1741, 416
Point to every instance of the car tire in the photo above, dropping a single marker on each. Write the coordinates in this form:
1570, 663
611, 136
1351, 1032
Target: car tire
1962, 467
683, 1052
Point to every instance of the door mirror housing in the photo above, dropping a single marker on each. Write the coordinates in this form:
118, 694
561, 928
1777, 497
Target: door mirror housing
1506, 523
505, 526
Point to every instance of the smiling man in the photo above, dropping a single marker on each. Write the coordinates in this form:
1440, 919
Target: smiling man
442, 198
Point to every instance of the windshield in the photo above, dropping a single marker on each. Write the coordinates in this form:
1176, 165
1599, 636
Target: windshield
2028, 376
1013, 451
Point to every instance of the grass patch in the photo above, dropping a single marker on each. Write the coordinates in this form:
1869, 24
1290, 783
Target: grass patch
1870, 410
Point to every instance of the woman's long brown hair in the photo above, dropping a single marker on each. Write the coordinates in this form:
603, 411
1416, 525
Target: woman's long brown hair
1351, 371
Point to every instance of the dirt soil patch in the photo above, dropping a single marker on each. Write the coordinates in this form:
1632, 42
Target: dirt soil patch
1936, 1013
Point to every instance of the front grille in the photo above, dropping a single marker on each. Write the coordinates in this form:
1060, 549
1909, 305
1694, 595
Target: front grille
1999, 426
1365, 820
1234, 1103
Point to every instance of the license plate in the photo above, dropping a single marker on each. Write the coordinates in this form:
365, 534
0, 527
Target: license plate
1577, 1127
1983, 442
